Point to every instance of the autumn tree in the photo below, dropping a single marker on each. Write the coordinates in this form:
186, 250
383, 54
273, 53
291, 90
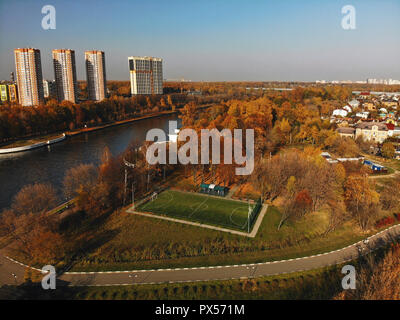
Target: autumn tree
337, 215
303, 202
33, 235
390, 194
377, 279
388, 150
82, 176
361, 199
34, 198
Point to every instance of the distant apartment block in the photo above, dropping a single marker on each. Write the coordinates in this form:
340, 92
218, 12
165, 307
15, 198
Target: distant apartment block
3, 92
8, 92
383, 81
49, 88
12, 93
146, 75
65, 75
96, 75
29, 76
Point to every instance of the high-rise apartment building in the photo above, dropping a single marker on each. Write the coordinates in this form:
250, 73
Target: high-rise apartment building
146, 75
29, 76
65, 75
49, 88
12, 93
96, 75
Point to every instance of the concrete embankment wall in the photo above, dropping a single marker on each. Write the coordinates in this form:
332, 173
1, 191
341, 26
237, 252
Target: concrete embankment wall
33, 146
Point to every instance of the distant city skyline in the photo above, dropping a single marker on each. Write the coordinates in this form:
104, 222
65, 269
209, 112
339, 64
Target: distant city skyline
213, 40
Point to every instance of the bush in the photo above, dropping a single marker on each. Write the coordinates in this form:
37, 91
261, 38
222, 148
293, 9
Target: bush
385, 222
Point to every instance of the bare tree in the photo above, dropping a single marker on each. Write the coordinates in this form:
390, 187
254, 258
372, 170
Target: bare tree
34, 198
84, 175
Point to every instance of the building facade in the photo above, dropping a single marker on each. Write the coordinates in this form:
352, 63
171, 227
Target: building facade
65, 75
12, 93
146, 75
8, 92
96, 75
3, 92
49, 88
29, 76
372, 131
346, 132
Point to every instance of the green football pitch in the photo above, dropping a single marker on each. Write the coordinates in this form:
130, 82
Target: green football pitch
199, 208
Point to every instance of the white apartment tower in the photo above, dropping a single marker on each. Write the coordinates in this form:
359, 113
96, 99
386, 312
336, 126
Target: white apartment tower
146, 75
96, 75
29, 76
49, 88
65, 75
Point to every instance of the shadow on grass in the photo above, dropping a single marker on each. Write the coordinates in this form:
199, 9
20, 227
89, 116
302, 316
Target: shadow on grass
85, 234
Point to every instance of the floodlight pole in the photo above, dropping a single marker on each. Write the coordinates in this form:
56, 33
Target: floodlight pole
248, 218
133, 197
127, 165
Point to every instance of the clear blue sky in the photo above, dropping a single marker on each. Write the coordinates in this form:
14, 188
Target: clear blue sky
213, 39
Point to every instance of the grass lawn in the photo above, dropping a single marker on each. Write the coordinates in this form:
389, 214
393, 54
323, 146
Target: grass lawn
137, 242
199, 208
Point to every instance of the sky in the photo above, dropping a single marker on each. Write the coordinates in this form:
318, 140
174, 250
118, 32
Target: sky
213, 40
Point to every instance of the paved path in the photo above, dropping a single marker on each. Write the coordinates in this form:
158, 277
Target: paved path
208, 273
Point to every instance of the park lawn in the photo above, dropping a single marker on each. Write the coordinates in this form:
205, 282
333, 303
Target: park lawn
139, 242
199, 208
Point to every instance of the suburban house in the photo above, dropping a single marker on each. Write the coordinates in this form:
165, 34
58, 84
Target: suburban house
340, 113
346, 132
370, 106
347, 108
354, 104
363, 115
389, 104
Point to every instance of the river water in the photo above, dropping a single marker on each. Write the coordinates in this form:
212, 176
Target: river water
49, 164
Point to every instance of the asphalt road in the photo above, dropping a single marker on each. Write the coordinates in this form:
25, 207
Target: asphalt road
206, 273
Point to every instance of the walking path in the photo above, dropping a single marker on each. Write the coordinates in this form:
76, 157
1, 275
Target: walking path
8, 267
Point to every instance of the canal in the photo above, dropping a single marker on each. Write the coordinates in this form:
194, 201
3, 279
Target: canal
49, 164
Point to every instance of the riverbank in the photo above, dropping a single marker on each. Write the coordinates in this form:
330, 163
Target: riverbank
119, 123
42, 141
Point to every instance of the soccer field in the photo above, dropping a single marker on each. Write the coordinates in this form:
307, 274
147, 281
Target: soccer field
200, 208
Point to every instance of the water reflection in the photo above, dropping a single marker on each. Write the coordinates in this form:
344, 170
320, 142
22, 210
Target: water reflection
50, 164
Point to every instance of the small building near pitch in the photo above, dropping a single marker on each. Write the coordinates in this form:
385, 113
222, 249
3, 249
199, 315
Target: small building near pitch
374, 166
214, 189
